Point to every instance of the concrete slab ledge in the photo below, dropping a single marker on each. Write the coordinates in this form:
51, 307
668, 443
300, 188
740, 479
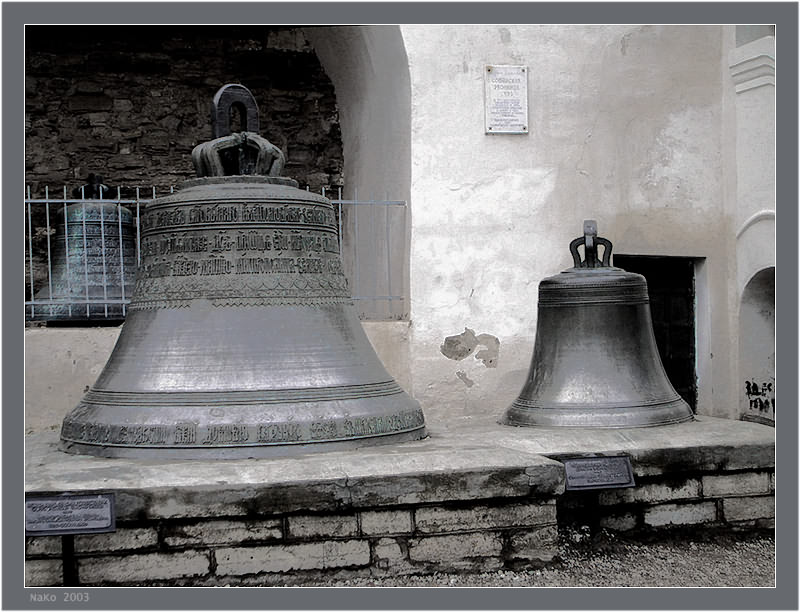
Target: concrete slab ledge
468, 461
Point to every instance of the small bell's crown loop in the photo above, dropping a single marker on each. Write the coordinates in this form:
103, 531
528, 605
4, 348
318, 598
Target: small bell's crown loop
590, 242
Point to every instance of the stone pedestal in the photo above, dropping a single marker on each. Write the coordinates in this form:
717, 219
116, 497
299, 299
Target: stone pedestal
472, 497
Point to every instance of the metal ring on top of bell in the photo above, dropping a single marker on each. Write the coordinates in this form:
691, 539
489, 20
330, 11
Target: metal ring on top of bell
241, 339
595, 361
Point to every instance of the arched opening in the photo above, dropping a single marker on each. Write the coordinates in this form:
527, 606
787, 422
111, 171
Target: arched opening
757, 348
368, 67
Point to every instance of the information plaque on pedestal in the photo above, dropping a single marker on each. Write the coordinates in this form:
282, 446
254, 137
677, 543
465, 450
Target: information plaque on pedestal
598, 472
69, 514
506, 99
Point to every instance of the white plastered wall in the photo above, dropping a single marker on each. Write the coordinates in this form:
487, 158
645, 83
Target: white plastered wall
627, 126
752, 70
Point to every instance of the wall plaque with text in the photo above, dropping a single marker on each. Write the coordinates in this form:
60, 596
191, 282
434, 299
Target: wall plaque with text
598, 472
506, 99
69, 514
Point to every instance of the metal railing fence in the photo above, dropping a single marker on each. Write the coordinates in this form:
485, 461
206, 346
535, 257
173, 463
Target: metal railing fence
81, 254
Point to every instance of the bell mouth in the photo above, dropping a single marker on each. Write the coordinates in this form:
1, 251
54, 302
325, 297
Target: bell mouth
222, 425
670, 412
239, 452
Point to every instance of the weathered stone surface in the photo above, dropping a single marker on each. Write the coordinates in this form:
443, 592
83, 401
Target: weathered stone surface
285, 558
437, 470
86, 103
651, 493
385, 522
387, 553
748, 508
680, 514
427, 471
335, 526
706, 445
122, 539
534, 545
727, 485
210, 533
450, 550
45, 546
390, 557
619, 522
44, 572
131, 569
388, 549
219, 501
439, 519
122, 105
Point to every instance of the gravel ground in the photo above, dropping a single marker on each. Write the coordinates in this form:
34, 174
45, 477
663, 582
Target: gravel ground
694, 560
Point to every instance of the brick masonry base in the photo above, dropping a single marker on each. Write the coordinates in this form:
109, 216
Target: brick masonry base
467, 513
289, 549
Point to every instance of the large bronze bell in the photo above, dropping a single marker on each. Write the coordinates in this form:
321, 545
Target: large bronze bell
595, 361
241, 339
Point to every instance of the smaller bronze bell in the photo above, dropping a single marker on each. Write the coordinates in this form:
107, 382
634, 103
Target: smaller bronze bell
595, 361
94, 259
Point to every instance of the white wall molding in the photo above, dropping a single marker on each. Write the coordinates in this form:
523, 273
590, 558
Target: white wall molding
753, 65
761, 215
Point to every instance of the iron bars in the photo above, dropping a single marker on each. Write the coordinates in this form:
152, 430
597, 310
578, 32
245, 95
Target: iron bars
82, 253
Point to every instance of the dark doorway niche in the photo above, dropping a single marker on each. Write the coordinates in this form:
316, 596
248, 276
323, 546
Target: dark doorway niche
670, 284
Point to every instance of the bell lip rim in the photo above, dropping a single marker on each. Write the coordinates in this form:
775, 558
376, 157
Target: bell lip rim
572, 407
250, 445
691, 417
670, 412
234, 452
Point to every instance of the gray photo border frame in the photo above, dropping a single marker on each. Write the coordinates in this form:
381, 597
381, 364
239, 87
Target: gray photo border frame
17, 14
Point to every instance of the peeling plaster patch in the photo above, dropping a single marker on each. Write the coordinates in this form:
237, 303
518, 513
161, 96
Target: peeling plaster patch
460, 346
463, 376
463, 345
490, 354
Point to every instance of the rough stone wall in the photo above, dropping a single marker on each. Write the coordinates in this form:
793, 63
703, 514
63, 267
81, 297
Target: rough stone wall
131, 102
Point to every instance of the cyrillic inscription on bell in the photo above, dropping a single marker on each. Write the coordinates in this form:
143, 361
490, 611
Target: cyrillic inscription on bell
595, 361
242, 339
